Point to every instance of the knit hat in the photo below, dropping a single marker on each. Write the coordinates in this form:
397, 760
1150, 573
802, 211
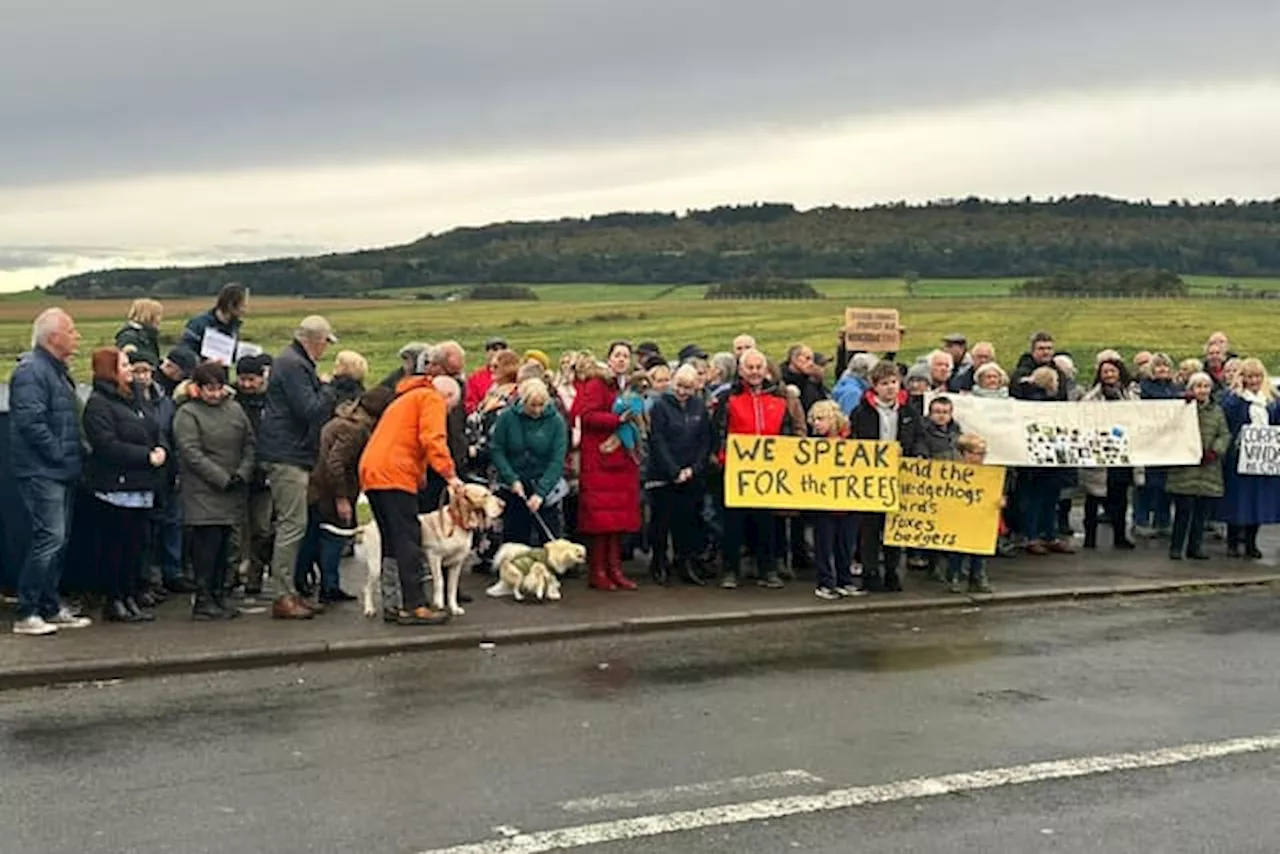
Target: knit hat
919, 371
136, 357
184, 358
538, 356
251, 366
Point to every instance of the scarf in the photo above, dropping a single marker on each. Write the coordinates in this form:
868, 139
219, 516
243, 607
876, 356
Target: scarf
1258, 415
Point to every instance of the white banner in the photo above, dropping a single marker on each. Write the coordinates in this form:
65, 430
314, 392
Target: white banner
1082, 435
1259, 451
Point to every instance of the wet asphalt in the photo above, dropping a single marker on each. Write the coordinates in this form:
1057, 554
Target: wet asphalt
407, 754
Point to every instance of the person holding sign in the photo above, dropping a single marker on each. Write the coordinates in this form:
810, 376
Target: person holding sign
834, 533
1250, 501
884, 414
224, 321
754, 409
1194, 488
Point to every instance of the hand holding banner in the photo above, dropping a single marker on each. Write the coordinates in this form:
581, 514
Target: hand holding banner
947, 506
791, 473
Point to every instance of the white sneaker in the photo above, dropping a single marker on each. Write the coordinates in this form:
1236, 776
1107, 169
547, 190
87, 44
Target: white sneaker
826, 593
33, 626
64, 619
850, 590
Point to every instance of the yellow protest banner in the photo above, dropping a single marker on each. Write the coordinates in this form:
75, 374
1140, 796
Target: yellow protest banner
796, 473
947, 507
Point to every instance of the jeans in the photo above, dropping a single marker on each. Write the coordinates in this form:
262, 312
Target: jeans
1041, 505
1190, 513
396, 513
289, 500
167, 533
323, 549
955, 567
50, 506
1151, 503
834, 535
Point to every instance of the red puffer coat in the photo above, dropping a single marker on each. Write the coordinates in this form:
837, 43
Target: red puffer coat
609, 487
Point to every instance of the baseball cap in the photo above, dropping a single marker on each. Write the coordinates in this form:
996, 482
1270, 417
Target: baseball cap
413, 348
496, 342
955, 338
691, 351
137, 357
316, 326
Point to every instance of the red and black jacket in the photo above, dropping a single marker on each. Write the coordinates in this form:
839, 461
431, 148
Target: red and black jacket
751, 413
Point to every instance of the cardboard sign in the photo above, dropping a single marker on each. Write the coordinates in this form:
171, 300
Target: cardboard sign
946, 507
217, 347
1085, 434
794, 473
1259, 451
872, 330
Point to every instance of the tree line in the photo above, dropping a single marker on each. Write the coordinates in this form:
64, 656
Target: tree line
968, 238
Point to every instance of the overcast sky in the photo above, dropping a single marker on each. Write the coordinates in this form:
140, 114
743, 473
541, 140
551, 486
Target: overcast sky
152, 131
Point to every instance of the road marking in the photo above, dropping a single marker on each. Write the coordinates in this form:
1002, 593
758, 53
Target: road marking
715, 788
839, 799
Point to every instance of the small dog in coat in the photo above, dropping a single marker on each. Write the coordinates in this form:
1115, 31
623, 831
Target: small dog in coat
446, 545
525, 570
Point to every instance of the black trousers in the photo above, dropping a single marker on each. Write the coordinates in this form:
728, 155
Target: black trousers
1189, 515
396, 513
737, 524
877, 558
209, 546
1116, 504
519, 526
120, 540
677, 514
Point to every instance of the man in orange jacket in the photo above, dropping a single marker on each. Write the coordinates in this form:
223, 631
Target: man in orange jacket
411, 437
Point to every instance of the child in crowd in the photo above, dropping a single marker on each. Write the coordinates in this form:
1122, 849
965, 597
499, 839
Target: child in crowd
834, 532
938, 442
972, 450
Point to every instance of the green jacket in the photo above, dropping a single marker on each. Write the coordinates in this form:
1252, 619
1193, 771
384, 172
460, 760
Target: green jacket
530, 450
1204, 480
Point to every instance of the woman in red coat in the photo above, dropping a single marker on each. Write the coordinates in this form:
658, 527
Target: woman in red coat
609, 486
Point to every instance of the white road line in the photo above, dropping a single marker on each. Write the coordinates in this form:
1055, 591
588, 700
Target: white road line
715, 788
839, 799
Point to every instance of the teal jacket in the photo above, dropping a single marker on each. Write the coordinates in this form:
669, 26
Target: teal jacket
530, 450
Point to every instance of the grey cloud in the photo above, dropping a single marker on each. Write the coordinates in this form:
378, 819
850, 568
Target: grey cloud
149, 85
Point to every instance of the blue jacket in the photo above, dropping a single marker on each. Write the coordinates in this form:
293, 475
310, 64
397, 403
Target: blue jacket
44, 420
848, 393
193, 334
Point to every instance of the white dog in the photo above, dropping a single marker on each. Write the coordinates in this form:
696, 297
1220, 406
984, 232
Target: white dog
523, 569
446, 545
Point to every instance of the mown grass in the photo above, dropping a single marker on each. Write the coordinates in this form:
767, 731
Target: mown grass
377, 328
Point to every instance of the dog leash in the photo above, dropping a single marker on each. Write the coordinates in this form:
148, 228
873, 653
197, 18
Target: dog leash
543, 525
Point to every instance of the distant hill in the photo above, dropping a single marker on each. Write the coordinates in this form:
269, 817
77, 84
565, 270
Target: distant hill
961, 239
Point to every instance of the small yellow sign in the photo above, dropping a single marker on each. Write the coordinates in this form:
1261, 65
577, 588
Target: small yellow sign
796, 473
947, 507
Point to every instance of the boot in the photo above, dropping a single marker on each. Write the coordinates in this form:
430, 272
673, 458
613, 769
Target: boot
219, 596
286, 608
691, 572
1251, 550
658, 568
115, 611
614, 565
892, 583
597, 559
1090, 534
140, 614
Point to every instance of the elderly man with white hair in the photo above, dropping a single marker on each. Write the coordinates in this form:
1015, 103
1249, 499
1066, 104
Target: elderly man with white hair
44, 424
298, 404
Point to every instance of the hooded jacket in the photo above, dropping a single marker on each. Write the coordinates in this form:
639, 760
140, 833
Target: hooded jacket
336, 474
865, 424
530, 450
411, 436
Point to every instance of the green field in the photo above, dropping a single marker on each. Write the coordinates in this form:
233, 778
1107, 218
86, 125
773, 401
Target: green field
590, 316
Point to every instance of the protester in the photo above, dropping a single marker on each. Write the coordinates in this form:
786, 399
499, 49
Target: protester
349, 372
972, 450
408, 356
215, 445
481, 381
1249, 501
530, 442
410, 437
226, 317
1108, 488
679, 446
801, 371
141, 331
44, 443
609, 502
1196, 488
835, 532
298, 404
1151, 503
251, 538
124, 471
334, 488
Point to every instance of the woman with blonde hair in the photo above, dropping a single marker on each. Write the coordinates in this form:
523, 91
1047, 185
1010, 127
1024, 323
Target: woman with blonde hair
349, 372
835, 533
141, 331
1250, 501
529, 446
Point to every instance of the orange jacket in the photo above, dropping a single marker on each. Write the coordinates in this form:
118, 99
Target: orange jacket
411, 435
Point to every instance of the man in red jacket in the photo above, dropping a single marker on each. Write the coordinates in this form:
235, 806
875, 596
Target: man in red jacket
481, 381
753, 408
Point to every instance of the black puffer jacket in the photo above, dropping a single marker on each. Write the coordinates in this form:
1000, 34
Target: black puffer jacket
121, 431
298, 405
679, 437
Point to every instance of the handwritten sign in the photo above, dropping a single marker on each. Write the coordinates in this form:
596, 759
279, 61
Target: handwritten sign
872, 330
218, 347
1084, 434
946, 507
793, 473
1259, 451
244, 348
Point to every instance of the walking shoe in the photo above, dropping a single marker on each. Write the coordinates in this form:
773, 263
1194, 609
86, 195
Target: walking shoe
771, 581
332, 597
1143, 532
179, 584
826, 593
1037, 548
956, 586
979, 585
847, 591
1174, 554
729, 582
422, 617
1198, 556
291, 608
34, 626
64, 619
1061, 547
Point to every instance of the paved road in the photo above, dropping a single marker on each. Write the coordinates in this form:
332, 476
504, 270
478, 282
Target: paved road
425, 752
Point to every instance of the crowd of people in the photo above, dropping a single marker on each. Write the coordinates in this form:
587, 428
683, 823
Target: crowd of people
191, 484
